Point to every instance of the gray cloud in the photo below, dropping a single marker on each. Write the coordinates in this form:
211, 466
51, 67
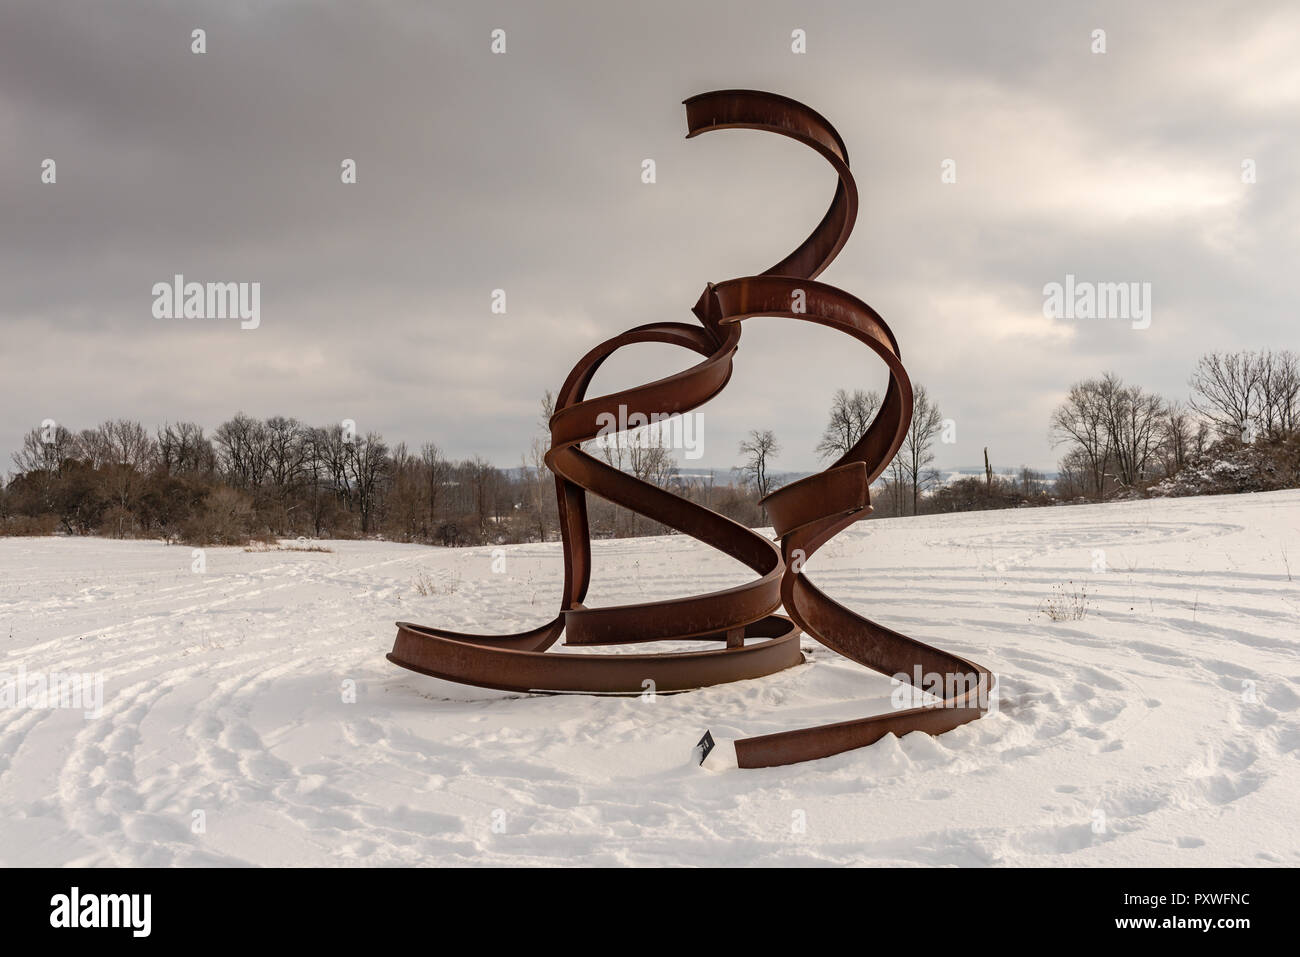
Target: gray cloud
522, 172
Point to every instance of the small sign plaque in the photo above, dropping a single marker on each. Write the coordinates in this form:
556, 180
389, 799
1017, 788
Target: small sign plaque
705, 746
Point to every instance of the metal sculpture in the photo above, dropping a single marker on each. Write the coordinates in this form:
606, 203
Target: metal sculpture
806, 514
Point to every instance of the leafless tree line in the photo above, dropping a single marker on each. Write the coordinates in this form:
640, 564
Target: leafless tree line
911, 473
1248, 394
248, 478
1120, 437
279, 477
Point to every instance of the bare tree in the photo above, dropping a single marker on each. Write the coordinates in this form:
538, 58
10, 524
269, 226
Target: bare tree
1031, 481
918, 445
1178, 437
1074, 474
851, 414
285, 454
43, 457
1113, 431
127, 454
1225, 389
651, 459
242, 447
367, 465
123, 442
434, 468
1080, 424
45, 450
326, 474
759, 449
896, 482
1279, 393
183, 448
1133, 421
483, 478
644, 452
540, 495
93, 448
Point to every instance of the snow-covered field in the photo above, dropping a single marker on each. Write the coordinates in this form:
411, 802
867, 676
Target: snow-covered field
1161, 728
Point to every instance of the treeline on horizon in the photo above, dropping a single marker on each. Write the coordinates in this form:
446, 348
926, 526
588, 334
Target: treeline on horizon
260, 480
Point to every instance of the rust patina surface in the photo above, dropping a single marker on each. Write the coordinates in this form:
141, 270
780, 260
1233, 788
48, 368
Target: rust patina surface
742, 634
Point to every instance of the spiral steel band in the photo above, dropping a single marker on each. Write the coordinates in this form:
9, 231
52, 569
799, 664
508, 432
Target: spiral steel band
743, 635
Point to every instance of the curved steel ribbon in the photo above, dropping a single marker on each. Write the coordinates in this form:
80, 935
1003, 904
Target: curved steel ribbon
805, 514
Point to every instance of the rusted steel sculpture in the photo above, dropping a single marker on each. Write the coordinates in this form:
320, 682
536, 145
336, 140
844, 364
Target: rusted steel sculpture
754, 641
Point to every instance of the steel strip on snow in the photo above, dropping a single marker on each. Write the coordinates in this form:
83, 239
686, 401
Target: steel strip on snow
754, 641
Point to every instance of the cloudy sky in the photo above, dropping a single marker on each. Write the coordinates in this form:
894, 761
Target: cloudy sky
521, 171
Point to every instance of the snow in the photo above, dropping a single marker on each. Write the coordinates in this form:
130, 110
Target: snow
1162, 728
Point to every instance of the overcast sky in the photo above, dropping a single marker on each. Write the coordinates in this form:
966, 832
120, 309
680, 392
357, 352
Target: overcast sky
522, 172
